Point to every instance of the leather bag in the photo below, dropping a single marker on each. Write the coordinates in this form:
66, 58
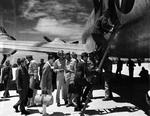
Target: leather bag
44, 99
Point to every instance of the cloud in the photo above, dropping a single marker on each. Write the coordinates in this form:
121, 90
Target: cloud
58, 18
29, 5
32, 16
59, 27
29, 31
56, 9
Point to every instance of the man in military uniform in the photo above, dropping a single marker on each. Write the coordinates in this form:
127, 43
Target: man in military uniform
107, 66
81, 81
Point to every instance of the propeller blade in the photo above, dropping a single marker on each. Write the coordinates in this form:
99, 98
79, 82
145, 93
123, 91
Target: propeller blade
47, 39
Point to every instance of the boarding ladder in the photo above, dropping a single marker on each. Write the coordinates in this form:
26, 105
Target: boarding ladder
106, 50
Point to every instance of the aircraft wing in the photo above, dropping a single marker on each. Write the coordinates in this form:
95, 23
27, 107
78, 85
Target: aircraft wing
37, 46
130, 10
133, 39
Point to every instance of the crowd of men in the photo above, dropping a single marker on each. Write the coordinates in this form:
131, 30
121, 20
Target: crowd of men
64, 71
73, 77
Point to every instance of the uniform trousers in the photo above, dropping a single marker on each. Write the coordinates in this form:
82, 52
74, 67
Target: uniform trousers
61, 84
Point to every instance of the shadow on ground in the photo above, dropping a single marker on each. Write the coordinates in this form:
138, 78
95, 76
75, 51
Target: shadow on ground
33, 111
4, 99
131, 90
58, 114
111, 110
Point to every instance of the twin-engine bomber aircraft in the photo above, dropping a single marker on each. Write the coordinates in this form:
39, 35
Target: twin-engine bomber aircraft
131, 40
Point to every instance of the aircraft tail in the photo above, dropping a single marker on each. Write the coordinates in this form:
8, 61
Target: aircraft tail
2, 30
4, 35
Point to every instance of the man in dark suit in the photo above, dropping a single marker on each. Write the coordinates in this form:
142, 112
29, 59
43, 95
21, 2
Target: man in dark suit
119, 67
46, 80
41, 68
131, 66
22, 81
6, 77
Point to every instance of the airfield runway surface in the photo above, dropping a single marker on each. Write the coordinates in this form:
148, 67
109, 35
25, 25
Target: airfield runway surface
96, 108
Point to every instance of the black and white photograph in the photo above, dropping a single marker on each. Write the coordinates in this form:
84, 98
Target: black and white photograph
74, 57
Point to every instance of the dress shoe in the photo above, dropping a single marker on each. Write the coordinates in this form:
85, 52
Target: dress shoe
77, 109
74, 102
6, 96
90, 100
25, 112
58, 104
66, 102
107, 99
81, 106
16, 108
33, 105
84, 100
46, 114
70, 104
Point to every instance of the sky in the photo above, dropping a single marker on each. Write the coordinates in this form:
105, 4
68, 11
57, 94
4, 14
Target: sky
32, 19
64, 19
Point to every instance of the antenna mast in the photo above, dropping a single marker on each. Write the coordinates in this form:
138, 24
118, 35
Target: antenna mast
15, 19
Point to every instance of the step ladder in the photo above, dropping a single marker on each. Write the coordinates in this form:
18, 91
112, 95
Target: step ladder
110, 41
